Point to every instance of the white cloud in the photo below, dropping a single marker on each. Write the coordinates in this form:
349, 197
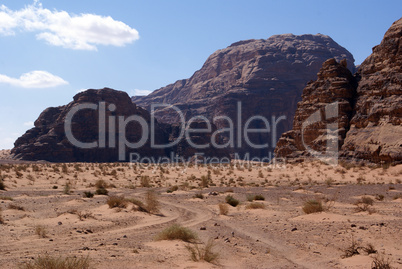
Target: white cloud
138, 92
59, 28
34, 79
29, 124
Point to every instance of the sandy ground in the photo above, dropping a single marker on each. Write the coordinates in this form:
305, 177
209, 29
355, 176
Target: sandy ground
279, 236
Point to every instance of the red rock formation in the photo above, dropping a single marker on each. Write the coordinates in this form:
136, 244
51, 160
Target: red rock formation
376, 132
266, 76
335, 89
48, 139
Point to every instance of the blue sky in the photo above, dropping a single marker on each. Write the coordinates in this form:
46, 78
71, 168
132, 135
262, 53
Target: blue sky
52, 49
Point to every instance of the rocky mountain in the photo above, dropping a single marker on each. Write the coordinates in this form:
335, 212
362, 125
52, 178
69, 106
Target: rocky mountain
48, 140
105, 126
249, 78
369, 109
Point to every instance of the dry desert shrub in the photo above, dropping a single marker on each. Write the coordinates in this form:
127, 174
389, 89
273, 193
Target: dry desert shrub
101, 187
381, 262
88, 194
145, 182
369, 249
1, 217
256, 197
177, 232
397, 196
40, 231
204, 253
231, 200
312, 206
151, 202
2, 185
199, 195
255, 206
6, 198
49, 262
139, 205
351, 250
16, 207
67, 189
223, 209
364, 204
116, 202
172, 189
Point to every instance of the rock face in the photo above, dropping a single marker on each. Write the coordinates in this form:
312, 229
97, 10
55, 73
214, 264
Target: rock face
265, 76
369, 113
48, 139
327, 103
376, 132
104, 126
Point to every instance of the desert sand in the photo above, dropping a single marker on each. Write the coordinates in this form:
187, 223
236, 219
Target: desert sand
44, 212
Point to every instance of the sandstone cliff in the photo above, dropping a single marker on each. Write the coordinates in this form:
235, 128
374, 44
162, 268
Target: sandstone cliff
370, 112
376, 132
326, 102
266, 76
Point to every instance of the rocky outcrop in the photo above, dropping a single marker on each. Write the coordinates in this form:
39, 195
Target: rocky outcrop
327, 104
49, 141
106, 126
369, 115
376, 132
265, 76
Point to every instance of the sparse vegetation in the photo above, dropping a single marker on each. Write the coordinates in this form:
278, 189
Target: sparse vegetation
255, 205
88, 194
2, 185
67, 189
172, 189
199, 195
232, 201
116, 202
1, 217
101, 186
364, 204
381, 262
397, 196
351, 250
177, 232
145, 182
257, 197
6, 198
312, 206
16, 207
40, 231
49, 262
139, 205
204, 253
151, 202
223, 209
369, 249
